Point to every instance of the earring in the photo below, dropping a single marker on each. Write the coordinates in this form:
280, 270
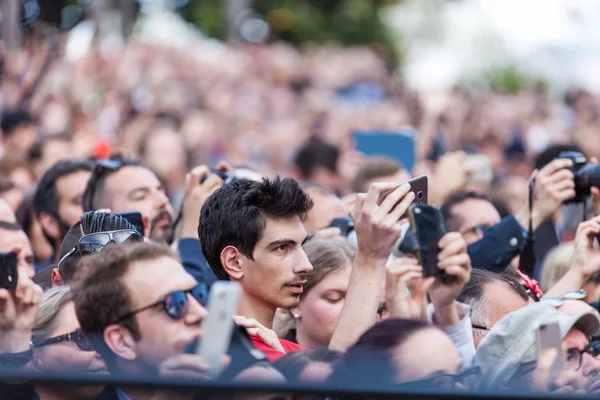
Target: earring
296, 316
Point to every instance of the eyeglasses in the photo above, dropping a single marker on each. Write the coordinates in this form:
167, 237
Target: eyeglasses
102, 168
175, 303
76, 336
95, 242
451, 381
575, 356
559, 301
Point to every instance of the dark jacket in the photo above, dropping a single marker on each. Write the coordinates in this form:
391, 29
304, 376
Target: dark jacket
194, 261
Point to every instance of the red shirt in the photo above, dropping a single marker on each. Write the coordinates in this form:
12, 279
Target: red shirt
272, 354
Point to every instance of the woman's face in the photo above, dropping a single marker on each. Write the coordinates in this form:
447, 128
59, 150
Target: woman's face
66, 356
320, 309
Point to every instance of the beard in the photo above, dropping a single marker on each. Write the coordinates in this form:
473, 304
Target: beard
162, 235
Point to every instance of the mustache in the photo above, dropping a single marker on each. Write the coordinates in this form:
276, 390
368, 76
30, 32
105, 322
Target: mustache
161, 215
297, 279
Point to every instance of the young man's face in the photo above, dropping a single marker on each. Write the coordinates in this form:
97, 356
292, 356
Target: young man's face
11, 240
137, 189
70, 190
277, 274
161, 336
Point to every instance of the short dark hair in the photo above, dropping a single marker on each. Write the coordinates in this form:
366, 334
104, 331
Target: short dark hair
36, 152
452, 222
46, 196
313, 154
95, 195
235, 215
472, 293
90, 222
370, 361
12, 120
101, 297
374, 167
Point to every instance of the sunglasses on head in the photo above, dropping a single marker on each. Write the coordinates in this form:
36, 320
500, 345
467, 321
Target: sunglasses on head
175, 304
101, 169
559, 301
76, 336
95, 242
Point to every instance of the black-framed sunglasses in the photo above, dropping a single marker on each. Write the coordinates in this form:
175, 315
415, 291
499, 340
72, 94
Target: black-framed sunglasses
461, 380
575, 356
102, 168
95, 242
77, 336
175, 303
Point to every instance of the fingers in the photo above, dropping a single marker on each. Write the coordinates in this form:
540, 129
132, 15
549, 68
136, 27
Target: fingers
563, 175
450, 244
223, 166
386, 206
555, 165
401, 208
358, 206
246, 322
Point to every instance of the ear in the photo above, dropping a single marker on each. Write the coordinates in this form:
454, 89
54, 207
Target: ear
120, 341
296, 312
56, 279
49, 225
230, 259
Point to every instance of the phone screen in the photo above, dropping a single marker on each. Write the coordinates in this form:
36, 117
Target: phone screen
548, 337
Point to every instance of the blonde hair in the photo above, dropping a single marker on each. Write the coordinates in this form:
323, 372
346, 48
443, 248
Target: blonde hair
51, 305
556, 265
326, 256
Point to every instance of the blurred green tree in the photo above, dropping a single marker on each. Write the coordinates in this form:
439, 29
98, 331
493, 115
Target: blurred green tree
349, 22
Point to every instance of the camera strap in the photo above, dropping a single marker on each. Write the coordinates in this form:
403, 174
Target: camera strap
527, 260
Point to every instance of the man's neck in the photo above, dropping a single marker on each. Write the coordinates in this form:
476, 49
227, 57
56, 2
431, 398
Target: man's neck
253, 308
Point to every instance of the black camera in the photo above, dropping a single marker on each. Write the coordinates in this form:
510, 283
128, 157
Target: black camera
8, 271
586, 175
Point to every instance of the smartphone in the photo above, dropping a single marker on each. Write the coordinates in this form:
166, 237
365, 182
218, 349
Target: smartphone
223, 303
9, 273
135, 219
418, 186
480, 168
548, 337
427, 223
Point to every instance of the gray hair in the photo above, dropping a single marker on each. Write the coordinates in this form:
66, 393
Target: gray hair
52, 304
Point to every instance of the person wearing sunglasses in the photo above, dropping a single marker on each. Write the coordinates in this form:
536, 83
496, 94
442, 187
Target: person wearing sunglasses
139, 308
59, 345
91, 234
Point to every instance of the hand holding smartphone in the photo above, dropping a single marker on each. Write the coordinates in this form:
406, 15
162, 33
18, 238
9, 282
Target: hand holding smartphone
428, 225
222, 306
9, 274
418, 186
548, 337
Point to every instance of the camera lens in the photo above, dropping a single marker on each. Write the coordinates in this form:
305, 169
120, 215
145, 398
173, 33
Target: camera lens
420, 195
588, 176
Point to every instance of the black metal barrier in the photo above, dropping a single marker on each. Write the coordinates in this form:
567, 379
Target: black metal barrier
206, 389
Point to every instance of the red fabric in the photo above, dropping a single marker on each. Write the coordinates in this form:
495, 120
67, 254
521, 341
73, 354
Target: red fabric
273, 355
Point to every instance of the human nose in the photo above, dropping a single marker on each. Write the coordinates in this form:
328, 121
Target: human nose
590, 365
196, 313
303, 266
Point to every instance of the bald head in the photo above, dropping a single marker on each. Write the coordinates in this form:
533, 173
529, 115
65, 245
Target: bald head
6, 212
575, 307
327, 207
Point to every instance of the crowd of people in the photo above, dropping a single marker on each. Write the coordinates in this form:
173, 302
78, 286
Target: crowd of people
132, 181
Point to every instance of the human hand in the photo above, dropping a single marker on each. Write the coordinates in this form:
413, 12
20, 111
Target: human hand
18, 310
255, 328
196, 193
400, 275
190, 366
584, 256
554, 184
377, 226
328, 233
450, 177
455, 263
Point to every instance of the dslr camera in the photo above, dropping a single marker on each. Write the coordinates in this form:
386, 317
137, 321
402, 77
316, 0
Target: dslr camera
586, 174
